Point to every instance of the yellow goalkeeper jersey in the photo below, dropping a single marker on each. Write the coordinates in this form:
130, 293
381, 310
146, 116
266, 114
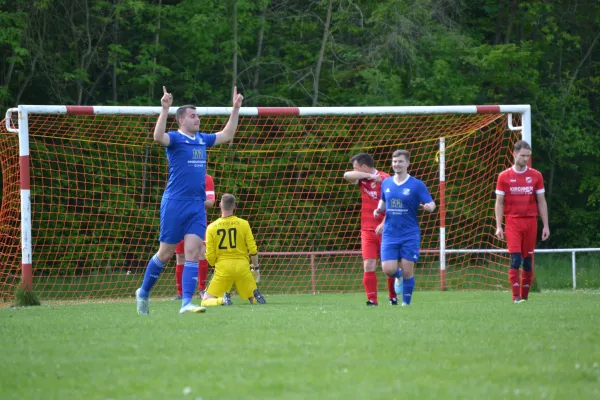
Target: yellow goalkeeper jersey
229, 238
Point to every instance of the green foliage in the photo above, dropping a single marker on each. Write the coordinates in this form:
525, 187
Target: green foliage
376, 53
26, 298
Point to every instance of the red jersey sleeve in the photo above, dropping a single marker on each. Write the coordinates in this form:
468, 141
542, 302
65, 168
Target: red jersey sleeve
209, 188
502, 184
538, 186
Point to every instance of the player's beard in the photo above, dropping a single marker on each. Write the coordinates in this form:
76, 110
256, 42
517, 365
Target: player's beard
521, 164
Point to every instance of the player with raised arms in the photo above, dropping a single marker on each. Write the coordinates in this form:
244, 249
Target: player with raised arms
182, 213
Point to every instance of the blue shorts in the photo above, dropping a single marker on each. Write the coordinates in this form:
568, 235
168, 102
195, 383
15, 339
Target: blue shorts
180, 217
407, 249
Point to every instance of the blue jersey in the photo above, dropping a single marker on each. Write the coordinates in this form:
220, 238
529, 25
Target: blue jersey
401, 206
187, 165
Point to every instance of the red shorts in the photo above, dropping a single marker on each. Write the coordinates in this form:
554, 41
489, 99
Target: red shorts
179, 248
370, 244
521, 235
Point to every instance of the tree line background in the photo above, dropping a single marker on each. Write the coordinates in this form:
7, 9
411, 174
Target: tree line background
331, 53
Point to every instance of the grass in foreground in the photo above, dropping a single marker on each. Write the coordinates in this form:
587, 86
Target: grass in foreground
446, 345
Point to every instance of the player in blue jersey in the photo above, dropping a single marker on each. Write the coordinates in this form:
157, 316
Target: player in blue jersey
182, 213
401, 197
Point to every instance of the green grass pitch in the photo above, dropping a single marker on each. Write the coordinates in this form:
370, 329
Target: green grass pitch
453, 345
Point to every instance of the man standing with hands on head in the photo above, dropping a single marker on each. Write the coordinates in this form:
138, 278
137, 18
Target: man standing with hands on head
368, 179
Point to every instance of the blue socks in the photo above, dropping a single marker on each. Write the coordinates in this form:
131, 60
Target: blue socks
189, 281
153, 270
407, 288
398, 273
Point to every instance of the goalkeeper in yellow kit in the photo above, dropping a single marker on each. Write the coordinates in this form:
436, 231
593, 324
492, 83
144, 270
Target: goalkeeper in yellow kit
229, 242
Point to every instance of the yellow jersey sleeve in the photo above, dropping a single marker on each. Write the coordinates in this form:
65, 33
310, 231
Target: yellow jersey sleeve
210, 255
250, 242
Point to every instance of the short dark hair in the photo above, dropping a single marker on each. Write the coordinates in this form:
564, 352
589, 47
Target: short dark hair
228, 202
521, 144
182, 110
399, 153
363, 159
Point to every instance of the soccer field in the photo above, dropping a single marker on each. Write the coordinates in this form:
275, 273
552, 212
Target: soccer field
452, 345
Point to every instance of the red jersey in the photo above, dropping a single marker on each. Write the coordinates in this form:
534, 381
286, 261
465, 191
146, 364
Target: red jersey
209, 188
371, 193
520, 190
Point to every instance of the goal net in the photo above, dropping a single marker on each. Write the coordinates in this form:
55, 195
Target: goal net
96, 180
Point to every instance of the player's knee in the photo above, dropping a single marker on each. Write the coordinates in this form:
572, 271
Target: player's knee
389, 270
370, 265
163, 258
408, 268
527, 264
515, 260
192, 255
165, 252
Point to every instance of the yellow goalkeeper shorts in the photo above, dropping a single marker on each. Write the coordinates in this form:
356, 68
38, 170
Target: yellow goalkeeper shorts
229, 273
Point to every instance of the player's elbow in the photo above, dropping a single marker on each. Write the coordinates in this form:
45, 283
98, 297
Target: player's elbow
226, 135
161, 138
209, 203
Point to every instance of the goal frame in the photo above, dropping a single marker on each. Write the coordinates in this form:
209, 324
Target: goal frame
24, 163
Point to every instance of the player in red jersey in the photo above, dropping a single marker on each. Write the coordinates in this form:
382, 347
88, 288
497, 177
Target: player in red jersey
202, 263
520, 197
369, 181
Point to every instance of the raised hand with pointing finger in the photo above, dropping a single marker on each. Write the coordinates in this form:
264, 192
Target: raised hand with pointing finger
167, 99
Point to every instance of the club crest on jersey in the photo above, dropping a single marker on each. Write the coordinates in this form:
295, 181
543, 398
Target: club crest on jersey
406, 191
373, 184
198, 154
528, 179
396, 203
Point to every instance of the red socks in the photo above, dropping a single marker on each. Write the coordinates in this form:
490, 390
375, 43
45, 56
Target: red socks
514, 278
526, 284
202, 274
178, 277
391, 292
370, 282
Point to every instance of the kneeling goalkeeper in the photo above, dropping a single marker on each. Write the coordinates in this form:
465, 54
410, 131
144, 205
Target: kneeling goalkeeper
229, 241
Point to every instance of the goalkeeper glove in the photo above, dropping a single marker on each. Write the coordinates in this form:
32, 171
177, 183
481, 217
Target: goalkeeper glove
255, 272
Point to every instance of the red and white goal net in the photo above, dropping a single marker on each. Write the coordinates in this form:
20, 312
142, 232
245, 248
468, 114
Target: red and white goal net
81, 190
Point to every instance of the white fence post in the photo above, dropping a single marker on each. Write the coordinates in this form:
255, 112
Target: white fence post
574, 268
